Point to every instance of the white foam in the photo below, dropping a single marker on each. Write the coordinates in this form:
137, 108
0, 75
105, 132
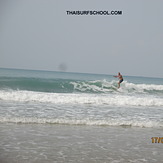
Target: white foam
109, 122
92, 99
141, 87
91, 86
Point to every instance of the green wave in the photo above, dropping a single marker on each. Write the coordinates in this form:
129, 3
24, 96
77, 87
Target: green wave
73, 86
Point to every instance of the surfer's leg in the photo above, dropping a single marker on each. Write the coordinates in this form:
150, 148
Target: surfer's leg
118, 84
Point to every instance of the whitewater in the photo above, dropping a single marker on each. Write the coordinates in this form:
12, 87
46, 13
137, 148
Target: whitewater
91, 99
40, 97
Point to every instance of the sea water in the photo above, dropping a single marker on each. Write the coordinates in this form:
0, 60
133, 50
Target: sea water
31, 100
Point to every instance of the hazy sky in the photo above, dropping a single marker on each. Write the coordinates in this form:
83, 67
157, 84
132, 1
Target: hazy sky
38, 34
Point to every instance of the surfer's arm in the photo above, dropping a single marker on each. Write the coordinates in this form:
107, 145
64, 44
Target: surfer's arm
115, 76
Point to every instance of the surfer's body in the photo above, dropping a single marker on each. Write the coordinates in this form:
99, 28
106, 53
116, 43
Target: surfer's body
120, 78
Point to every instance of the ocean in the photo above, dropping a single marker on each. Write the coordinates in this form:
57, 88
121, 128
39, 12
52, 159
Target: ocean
48, 116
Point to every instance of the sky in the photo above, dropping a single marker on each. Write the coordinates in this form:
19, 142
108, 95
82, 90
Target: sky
39, 35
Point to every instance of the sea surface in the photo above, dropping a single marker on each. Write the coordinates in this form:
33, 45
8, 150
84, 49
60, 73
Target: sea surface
48, 116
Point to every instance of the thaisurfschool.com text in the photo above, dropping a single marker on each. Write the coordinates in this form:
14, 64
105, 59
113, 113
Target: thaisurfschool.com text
94, 12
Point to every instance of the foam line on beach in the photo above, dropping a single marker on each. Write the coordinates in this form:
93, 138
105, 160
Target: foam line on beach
109, 122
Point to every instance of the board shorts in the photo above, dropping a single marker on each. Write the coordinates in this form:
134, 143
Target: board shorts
120, 81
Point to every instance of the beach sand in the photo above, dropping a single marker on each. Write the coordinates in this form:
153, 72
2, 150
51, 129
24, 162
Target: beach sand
46, 143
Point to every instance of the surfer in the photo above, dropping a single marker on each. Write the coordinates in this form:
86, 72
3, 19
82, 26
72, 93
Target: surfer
120, 79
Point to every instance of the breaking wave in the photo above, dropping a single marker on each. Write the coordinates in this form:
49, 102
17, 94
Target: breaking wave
74, 86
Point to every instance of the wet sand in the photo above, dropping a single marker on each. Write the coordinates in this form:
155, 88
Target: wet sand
45, 143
